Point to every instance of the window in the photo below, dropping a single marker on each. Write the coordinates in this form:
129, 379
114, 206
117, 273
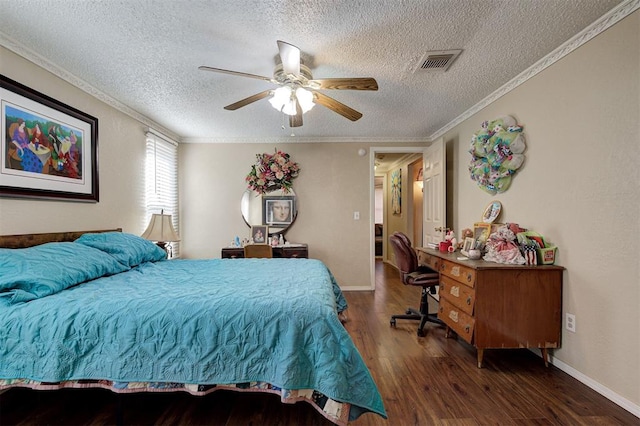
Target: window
161, 181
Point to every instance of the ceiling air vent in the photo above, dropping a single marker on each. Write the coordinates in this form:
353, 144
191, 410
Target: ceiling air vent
439, 60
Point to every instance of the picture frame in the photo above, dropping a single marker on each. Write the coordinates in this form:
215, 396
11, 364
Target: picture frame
278, 210
396, 191
468, 244
48, 150
481, 232
259, 234
492, 211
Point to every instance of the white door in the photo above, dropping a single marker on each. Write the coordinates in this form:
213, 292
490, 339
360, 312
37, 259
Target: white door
434, 210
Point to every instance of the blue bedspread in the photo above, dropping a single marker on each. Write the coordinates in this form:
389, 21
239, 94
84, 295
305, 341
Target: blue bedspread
193, 321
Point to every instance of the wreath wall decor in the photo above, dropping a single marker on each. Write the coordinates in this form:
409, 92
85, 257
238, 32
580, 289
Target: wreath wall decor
497, 152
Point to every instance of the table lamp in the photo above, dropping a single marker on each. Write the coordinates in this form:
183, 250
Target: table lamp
160, 230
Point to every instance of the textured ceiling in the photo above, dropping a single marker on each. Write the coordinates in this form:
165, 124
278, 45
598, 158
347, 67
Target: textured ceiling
145, 56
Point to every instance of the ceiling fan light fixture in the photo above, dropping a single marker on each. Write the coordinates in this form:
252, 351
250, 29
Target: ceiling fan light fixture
284, 100
281, 98
305, 99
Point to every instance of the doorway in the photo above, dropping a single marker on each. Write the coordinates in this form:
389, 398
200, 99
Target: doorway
416, 175
411, 213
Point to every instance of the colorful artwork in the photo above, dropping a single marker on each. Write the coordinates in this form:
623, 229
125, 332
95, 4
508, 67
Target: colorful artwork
47, 149
396, 191
54, 151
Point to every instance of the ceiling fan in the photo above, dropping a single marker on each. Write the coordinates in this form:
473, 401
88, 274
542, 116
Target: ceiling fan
298, 90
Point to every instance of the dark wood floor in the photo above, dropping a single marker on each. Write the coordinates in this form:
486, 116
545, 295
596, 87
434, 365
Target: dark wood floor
423, 380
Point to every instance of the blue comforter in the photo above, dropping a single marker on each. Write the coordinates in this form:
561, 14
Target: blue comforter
193, 321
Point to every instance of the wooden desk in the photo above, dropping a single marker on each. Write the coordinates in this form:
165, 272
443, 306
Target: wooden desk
293, 251
496, 306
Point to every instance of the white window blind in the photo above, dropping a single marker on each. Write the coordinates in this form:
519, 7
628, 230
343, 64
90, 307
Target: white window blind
161, 180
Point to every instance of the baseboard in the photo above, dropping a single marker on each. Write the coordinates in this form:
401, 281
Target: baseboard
598, 387
356, 288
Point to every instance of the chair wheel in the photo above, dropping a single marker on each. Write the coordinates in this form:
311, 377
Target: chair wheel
408, 312
420, 333
392, 323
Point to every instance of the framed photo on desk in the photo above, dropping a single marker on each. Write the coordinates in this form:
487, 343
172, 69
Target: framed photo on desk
260, 234
468, 244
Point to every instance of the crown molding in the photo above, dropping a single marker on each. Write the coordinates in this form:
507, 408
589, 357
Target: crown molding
304, 139
606, 21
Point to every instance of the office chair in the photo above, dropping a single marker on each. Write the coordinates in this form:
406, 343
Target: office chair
258, 250
412, 274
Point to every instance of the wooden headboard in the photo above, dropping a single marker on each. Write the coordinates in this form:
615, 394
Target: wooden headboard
29, 240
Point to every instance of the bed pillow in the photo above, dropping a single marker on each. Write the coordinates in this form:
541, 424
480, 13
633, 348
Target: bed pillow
128, 249
39, 271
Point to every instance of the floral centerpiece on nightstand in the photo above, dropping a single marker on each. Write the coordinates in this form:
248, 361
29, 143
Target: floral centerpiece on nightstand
272, 172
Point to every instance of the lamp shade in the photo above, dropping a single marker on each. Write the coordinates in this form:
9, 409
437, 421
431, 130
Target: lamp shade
160, 229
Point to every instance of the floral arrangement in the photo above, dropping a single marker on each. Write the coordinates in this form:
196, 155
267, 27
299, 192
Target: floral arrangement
272, 172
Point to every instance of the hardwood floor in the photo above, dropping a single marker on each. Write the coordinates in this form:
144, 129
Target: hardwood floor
423, 380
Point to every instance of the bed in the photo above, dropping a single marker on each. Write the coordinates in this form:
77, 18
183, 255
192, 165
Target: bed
106, 309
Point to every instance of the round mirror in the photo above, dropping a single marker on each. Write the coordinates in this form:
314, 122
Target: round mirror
277, 209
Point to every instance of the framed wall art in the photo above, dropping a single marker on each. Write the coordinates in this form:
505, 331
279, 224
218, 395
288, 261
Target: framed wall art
47, 149
278, 209
396, 191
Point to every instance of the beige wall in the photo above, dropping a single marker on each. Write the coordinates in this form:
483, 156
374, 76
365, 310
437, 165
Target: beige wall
333, 184
121, 148
579, 187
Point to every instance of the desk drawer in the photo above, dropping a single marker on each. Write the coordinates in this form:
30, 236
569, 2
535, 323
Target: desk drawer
458, 272
459, 295
295, 252
425, 259
456, 319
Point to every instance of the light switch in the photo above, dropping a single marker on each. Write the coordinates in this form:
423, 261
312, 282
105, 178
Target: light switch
356, 215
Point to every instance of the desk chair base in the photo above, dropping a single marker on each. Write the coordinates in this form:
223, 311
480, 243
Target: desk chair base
422, 314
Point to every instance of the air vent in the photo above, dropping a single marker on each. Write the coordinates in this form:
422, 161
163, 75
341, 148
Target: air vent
439, 60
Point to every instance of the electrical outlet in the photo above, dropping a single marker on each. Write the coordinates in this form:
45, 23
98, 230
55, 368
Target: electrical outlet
356, 215
570, 322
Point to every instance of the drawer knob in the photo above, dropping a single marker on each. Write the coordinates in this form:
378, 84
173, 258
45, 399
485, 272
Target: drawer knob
467, 328
469, 300
442, 287
469, 277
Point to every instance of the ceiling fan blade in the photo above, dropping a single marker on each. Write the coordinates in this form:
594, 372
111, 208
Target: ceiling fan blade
336, 106
365, 83
296, 120
290, 56
240, 74
247, 101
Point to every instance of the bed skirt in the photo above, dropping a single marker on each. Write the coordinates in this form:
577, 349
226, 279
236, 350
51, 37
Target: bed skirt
334, 411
